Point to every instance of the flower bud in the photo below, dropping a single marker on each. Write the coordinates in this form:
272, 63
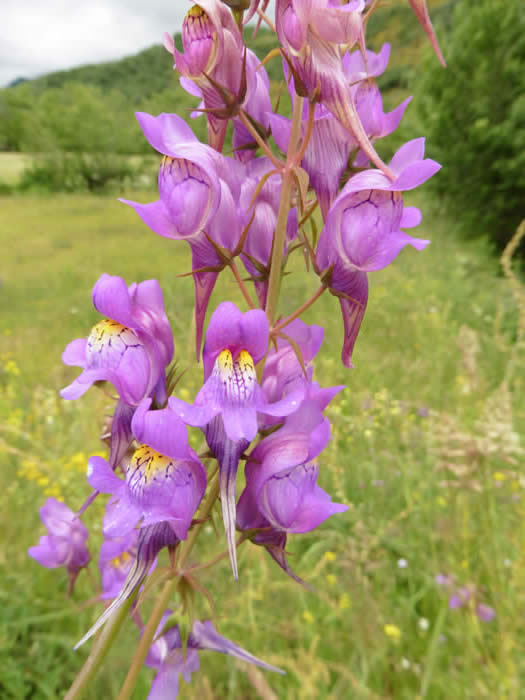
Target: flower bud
199, 40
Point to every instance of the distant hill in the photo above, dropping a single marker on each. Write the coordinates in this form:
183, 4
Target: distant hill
17, 81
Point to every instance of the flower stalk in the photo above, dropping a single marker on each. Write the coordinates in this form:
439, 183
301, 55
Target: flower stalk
259, 404
285, 204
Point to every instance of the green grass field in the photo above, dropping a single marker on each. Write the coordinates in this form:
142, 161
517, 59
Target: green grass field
426, 453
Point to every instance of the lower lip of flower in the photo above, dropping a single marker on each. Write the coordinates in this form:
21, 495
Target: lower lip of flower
107, 343
147, 466
237, 374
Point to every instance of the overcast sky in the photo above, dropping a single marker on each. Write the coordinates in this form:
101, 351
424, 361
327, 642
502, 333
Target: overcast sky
39, 36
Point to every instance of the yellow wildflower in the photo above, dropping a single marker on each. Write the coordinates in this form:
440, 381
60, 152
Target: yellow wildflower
344, 602
393, 632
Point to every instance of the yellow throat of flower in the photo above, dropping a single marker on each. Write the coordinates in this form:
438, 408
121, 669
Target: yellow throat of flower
149, 462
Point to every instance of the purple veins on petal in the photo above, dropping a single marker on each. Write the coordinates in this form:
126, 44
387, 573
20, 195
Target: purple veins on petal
151, 540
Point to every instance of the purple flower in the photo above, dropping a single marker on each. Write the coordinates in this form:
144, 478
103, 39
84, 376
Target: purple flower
362, 232
117, 556
230, 398
150, 541
235, 343
281, 494
461, 596
281, 476
65, 543
213, 45
165, 480
283, 372
445, 579
199, 190
167, 657
312, 33
485, 612
130, 348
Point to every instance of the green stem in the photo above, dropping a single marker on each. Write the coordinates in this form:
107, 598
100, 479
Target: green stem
163, 600
101, 646
279, 235
300, 310
241, 285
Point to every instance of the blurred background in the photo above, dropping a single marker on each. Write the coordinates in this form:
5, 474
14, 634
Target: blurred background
428, 438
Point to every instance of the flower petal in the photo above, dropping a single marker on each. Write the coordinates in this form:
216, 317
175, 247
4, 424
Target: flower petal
156, 216
75, 353
162, 430
101, 477
165, 132
111, 299
205, 636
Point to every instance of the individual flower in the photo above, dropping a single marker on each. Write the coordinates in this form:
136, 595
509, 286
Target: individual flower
199, 190
362, 232
164, 481
230, 398
130, 348
313, 33
281, 493
212, 57
116, 558
284, 371
65, 543
485, 612
150, 541
169, 658
235, 343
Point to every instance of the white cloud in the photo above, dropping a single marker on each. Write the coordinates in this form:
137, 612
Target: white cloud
39, 36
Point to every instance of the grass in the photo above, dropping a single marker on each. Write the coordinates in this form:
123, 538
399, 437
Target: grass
425, 452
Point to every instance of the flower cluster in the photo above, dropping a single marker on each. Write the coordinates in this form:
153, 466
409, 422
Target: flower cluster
463, 596
259, 410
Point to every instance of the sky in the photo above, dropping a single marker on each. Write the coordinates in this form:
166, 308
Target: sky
40, 36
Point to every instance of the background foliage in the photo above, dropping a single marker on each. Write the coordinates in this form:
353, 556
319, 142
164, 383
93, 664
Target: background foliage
473, 115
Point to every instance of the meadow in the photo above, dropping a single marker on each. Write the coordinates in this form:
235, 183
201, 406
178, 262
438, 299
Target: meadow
426, 452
